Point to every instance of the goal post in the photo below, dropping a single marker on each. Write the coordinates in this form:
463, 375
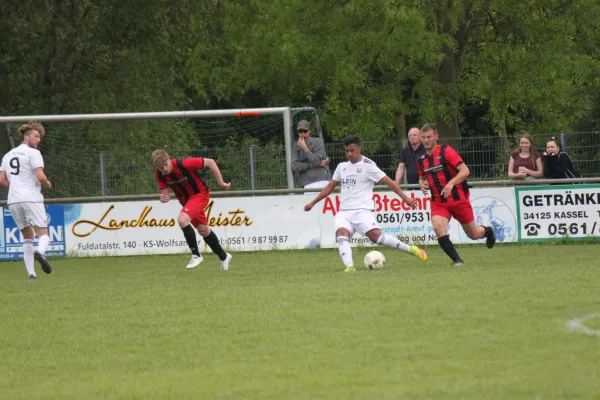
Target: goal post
108, 154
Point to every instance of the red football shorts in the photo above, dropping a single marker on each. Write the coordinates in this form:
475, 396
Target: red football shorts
195, 207
460, 210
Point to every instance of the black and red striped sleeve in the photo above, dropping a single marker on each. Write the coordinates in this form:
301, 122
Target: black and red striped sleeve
161, 183
193, 164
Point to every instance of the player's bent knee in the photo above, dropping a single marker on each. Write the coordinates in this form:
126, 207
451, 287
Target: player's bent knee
27, 232
183, 220
374, 235
342, 239
342, 232
440, 230
203, 230
40, 231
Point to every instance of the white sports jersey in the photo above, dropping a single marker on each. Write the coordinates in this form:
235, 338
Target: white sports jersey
357, 183
19, 164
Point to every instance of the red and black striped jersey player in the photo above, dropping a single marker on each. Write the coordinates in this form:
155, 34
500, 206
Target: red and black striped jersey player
181, 176
443, 173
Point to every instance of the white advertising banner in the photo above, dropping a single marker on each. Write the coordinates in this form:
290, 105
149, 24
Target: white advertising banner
558, 212
491, 206
266, 223
150, 227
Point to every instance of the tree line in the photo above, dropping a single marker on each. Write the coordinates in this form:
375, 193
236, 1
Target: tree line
474, 67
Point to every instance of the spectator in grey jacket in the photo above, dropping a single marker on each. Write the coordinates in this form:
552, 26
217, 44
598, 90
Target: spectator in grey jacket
309, 159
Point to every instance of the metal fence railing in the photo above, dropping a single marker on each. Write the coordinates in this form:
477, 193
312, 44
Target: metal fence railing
279, 192
487, 157
257, 167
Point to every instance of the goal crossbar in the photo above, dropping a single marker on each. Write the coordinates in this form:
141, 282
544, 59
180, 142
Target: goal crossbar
243, 112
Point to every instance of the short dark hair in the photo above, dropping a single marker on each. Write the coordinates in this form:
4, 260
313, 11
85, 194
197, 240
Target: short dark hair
428, 127
351, 139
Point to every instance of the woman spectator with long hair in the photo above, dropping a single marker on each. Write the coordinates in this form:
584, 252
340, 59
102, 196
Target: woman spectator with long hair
525, 162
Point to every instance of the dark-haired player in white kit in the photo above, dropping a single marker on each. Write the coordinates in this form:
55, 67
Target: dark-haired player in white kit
357, 176
22, 171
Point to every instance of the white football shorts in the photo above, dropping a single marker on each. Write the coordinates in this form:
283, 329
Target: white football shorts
361, 221
29, 214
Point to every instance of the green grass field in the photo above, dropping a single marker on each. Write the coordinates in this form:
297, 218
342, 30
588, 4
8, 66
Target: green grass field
292, 325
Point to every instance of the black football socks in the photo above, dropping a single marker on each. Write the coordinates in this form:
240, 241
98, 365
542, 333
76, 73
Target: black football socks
190, 238
490, 237
213, 242
488, 231
449, 248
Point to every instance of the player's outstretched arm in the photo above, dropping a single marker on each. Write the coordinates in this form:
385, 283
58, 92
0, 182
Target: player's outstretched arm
214, 169
41, 177
326, 191
4, 180
396, 189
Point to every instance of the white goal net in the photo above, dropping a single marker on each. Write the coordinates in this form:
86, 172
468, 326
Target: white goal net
109, 154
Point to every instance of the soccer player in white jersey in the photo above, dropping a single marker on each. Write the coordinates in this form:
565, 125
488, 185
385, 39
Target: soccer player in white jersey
22, 171
358, 176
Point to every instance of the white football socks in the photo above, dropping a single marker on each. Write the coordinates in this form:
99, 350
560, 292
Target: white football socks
393, 242
345, 250
43, 244
28, 256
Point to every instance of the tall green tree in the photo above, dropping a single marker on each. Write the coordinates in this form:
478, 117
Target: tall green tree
357, 61
370, 66
71, 56
454, 23
527, 65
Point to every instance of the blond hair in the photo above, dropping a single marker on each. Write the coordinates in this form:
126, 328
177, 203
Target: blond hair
31, 126
160, 158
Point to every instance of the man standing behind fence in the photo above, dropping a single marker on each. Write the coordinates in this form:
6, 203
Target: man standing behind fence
193, 194
22, 171
443, 172
309, 159
409, 156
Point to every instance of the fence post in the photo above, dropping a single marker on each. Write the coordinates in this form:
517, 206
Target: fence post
404, 144
103, 173
11, 141
252, 170
562, 141
287, 135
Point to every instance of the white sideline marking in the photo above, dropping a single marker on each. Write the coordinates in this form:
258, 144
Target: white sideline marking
578, 326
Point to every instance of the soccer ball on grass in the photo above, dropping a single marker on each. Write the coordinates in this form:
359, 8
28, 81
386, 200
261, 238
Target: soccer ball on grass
374, 260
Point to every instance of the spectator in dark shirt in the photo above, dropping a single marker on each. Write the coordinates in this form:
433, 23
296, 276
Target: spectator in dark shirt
409, 156
557, 163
